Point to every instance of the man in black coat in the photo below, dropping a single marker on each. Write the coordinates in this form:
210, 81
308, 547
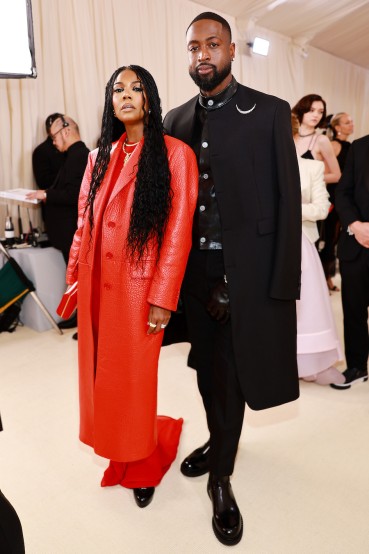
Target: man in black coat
61, 199
46, 159
243, 273
352, 205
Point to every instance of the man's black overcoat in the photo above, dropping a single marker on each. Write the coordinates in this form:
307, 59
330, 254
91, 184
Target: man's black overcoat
256, 176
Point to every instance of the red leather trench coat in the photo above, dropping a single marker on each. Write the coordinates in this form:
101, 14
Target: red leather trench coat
117, 359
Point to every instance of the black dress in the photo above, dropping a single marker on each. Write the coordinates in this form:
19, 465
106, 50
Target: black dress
331, 227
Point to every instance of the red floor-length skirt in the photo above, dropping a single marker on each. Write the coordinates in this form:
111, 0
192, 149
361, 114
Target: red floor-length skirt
150, 471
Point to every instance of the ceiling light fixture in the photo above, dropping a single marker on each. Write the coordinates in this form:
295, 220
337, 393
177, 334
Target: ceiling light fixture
259, 46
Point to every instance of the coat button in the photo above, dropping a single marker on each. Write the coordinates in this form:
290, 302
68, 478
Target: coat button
202, 240
202, 208
111, 224
210, 102
109, 255
205, 144
205, 176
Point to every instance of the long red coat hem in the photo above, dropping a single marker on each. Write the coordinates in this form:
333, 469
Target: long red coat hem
149, 471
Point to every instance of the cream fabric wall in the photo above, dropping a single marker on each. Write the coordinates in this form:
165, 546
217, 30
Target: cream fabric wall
79, 43
288, 74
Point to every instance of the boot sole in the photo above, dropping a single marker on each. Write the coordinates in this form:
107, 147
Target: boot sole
345, 386
223, 540
197, 473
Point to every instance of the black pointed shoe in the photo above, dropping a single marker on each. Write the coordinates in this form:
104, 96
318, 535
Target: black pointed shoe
143, 496
227, 520
198, 462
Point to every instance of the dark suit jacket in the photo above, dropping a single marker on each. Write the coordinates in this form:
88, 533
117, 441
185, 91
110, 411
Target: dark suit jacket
256, 176
61, 208
46, 162
352, 196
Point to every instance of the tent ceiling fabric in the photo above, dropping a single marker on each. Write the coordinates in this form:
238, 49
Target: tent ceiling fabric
339, 27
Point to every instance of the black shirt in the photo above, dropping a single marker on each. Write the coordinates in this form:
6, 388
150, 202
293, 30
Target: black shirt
206, 226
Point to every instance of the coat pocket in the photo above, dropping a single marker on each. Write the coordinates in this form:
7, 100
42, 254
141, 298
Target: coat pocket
144, 269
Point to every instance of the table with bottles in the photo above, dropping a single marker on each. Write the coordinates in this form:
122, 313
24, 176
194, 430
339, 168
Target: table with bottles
45, 267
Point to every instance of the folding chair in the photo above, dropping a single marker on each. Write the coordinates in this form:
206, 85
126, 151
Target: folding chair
14, 285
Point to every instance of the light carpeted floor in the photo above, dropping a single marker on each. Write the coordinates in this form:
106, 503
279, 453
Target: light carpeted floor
301, 477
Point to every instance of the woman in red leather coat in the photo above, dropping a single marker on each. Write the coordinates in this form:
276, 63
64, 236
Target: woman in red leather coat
129, 254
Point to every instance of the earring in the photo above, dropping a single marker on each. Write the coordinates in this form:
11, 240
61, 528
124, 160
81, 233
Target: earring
114, 114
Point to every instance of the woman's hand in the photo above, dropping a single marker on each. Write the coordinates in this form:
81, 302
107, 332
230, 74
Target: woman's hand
158, 319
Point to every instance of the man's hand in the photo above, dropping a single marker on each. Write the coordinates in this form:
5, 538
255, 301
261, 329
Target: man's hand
36, 195
158, 319
218, 305
361, 232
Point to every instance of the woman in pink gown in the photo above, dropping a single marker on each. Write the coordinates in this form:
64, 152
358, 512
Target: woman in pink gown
318, 345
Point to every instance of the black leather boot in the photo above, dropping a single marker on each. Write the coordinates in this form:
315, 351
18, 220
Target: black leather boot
227, 519
198, 462
143, 496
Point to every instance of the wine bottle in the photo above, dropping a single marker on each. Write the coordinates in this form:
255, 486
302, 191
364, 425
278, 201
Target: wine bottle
9, 230
20, 225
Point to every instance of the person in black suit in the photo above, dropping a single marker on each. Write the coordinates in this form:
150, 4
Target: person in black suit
61, 199
352, 205
243, 273
11, 534
46, 159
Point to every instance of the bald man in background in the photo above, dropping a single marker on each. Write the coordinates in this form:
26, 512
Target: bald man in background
61, 198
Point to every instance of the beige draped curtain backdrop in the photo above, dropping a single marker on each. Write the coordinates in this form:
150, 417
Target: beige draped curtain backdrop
79, 43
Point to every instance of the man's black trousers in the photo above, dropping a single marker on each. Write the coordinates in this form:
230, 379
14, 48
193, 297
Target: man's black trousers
212, 355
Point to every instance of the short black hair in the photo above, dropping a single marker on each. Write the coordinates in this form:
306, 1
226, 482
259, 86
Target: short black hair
214, 17
50, 120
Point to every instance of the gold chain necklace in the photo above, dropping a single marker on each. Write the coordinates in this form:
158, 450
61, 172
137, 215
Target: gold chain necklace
128, 154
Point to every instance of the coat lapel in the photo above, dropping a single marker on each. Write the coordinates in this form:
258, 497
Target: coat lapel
184, 121
187, 120
121, 175
125, 174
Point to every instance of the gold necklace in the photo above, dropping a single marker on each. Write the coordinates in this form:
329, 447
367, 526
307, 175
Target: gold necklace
128, 154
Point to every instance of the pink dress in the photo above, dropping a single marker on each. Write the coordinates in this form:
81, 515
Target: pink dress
318, 345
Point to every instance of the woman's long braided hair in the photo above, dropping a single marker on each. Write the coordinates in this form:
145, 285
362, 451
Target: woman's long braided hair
152, 199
